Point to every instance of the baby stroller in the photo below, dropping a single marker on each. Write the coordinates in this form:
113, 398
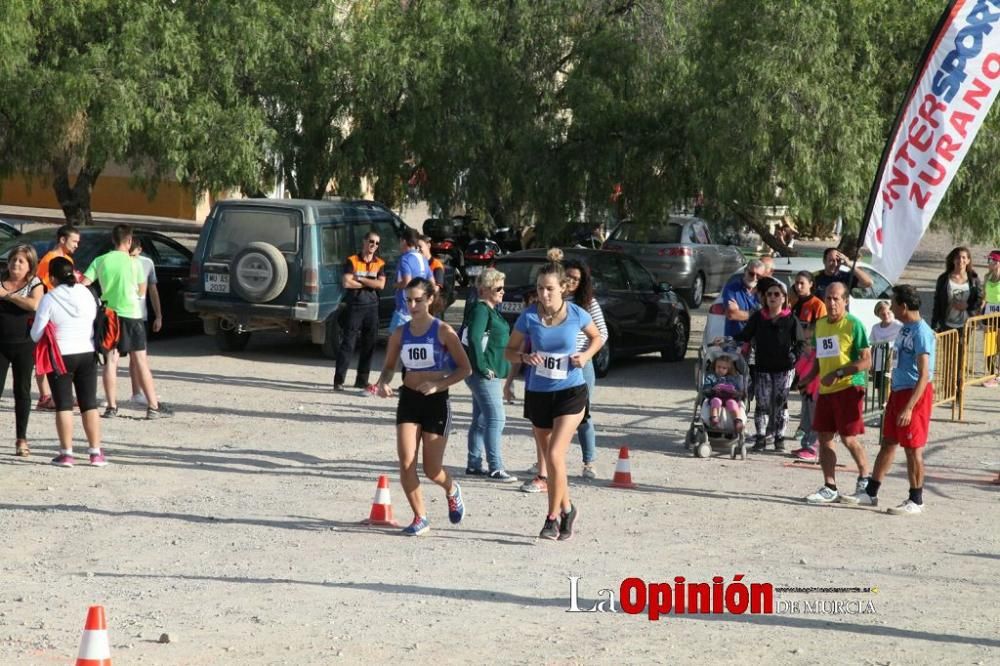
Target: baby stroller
702, 436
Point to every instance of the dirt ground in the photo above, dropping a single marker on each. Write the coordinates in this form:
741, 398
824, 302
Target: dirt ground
234, 529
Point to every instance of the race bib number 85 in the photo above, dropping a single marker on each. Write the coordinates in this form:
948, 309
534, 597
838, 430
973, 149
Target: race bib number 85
828, 347
553, 367
417, 357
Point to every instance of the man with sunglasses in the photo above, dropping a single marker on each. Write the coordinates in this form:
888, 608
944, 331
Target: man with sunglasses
740, 297
364, 277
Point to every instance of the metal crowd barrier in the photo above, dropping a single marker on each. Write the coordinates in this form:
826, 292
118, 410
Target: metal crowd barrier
979, 355
948, 371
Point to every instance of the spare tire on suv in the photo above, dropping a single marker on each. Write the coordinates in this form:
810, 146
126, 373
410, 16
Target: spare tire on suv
259, 272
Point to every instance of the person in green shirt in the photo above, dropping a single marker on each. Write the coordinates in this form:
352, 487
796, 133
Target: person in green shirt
485, 336
121, 280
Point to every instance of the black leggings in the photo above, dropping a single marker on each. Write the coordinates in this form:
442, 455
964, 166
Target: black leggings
81, 374
21, 357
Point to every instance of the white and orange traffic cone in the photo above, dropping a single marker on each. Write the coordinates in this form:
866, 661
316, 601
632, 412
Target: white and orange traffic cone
623, 471
381, 513
94, 647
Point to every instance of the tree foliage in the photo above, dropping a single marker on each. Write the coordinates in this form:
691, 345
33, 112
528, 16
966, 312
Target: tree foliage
526, 111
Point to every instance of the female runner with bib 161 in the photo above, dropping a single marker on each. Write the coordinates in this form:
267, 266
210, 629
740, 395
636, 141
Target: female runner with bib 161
555, 399
434, 360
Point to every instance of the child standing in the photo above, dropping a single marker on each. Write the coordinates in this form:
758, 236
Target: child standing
724, 387
803, 367
885, 331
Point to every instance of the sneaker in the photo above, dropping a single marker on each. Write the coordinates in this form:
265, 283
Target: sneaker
550, 530
98, 459
419, 526
589, 472
864, 499
362, 386
806, 454
139, 400
566, 521
759, 446
502, 476
63, 460
907, 508
161, 412
991, 383
340, 388
110, 413
475, 471
823, 496
535, 485
779, 444
456, 508
46, 402
533, 470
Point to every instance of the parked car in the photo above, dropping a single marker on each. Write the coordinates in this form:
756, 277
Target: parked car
171, 259
680, 251
276, 265
480, 254
8, 230
861, 304
642, 315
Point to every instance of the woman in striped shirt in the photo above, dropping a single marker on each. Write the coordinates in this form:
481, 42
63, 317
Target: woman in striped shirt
580, 289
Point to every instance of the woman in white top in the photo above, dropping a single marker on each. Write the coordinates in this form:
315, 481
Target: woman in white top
580, 289
71, 309
885, 331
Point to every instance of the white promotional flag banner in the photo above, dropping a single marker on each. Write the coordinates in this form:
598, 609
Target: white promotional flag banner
957, 83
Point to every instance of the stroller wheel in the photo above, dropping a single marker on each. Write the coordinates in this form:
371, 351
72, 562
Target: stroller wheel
704, 450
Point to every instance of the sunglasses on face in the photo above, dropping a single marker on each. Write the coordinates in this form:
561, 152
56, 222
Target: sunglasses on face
497, 290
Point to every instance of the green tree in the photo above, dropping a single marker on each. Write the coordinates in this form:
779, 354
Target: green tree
154, 85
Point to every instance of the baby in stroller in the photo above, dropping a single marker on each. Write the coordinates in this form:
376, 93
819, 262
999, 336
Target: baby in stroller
723, 387
720, 410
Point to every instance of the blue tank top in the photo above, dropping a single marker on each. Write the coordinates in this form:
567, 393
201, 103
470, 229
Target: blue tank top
425, 353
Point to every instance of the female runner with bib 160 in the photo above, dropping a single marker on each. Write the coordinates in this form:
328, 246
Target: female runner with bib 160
555, 400
434, 360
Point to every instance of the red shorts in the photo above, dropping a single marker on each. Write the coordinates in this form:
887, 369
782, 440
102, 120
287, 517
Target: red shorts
840, 412
914, 435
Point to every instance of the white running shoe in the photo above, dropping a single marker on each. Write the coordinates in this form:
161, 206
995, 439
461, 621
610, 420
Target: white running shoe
823, 496
907, 508
589, 472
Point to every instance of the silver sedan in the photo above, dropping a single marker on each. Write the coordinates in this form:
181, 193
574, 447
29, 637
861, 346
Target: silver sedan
679, 251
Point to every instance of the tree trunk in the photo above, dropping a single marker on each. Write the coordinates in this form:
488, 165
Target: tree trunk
75, 199
765, 234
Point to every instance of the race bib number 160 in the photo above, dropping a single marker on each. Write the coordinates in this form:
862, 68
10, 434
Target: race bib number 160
828, 347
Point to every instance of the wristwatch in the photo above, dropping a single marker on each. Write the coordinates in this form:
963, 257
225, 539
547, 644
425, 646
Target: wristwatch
840, 373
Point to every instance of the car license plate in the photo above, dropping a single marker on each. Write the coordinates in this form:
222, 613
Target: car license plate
512, 307
217, 283
474, 270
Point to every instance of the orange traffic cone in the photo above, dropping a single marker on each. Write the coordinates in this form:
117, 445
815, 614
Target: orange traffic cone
94, 648
381, 506
623, 471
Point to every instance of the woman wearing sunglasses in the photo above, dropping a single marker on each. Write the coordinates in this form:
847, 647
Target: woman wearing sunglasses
485, 336
434, 360
773, 331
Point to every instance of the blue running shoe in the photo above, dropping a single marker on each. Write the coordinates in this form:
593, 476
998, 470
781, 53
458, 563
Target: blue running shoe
419, 526
456, 508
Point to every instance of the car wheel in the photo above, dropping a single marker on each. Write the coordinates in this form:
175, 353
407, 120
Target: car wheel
231, 340
677, 342
331, 341
259, 272
602, 360
697, 291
